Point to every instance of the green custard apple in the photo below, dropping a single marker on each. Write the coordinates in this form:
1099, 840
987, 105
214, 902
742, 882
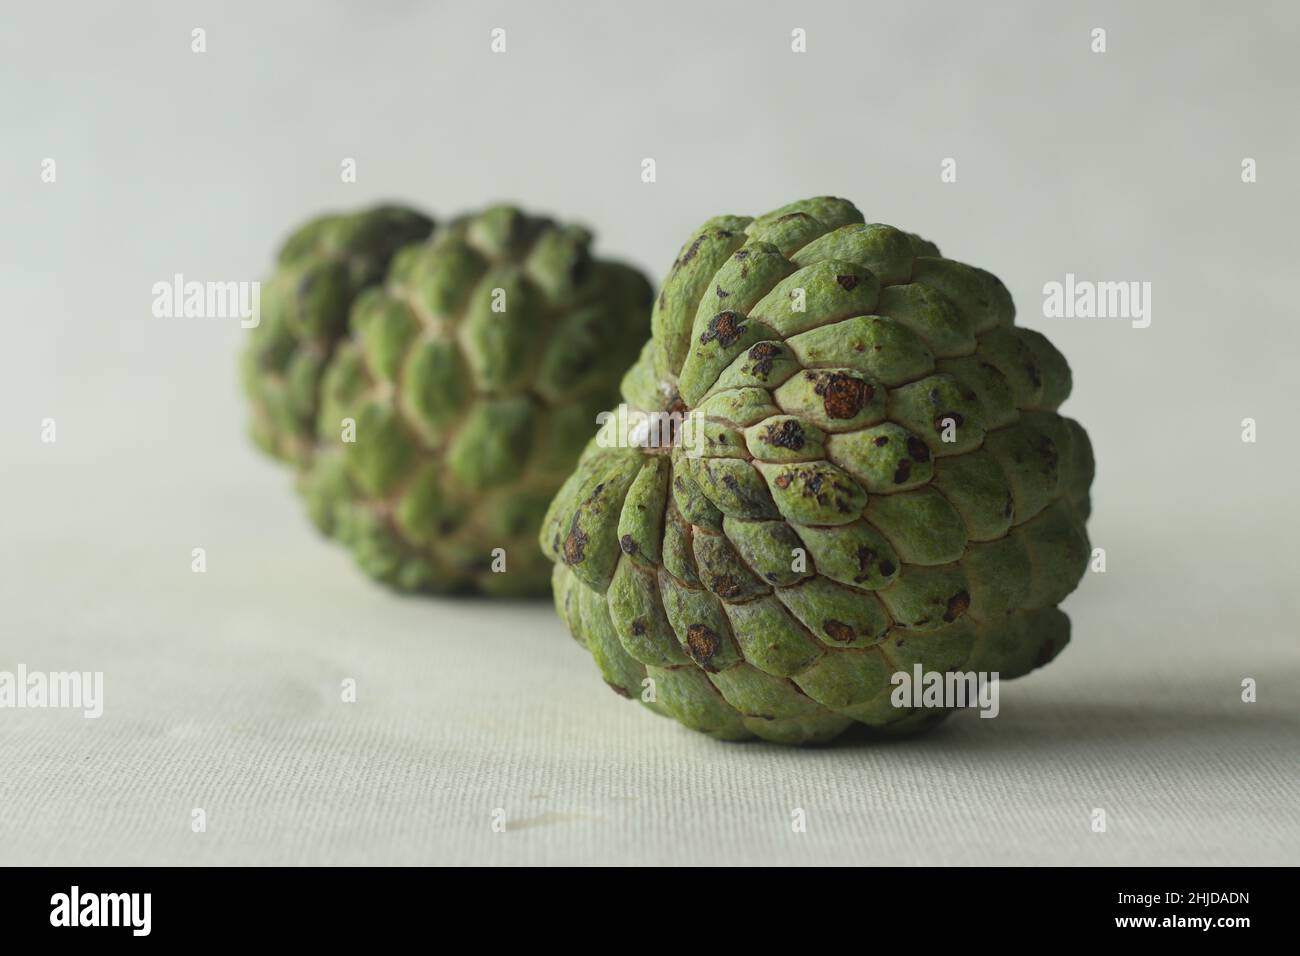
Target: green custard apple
322, 268
458, 402
838, 459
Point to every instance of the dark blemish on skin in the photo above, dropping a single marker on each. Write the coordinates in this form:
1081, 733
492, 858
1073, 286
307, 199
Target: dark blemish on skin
881, 442
721, 293
762, 355
903, 471
843, 395
638, 627
725, 586
865, 556
628, 545
725, 328
701, 644
918, 449
689, 254
839, 631
1047, 448
575, 544
958, 604
783, 481
787, 434
847, 283
887, 568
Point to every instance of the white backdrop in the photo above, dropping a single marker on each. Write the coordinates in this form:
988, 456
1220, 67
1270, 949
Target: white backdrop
222, 689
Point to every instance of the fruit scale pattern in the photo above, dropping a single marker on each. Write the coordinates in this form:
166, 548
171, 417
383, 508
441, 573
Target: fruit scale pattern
877, 478
471, 360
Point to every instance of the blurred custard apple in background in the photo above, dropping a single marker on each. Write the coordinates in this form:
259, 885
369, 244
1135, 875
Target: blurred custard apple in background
458, 396
869, 474
322, 268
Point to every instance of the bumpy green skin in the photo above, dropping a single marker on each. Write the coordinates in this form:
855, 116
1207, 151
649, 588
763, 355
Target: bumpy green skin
322, 268
823, 535
462, 397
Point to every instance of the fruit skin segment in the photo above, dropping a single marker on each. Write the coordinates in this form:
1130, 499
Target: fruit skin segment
449, 406
321, 269
874, 476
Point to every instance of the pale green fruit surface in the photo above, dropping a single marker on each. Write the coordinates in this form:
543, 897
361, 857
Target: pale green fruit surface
321, 269
459, 400
877, 478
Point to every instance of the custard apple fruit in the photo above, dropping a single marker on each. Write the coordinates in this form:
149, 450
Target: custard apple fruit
838, 458
321, 269
461, 397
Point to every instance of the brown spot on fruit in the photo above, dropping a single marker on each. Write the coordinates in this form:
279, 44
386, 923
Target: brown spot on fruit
638, 626
786, 434
702, 644
725, 586
761, 355
847, 283
843, 395
783, 481
725, 328
839, 631
881, 441
575, 544
628, 545
903, 471
865, 556
722, 294
958, 604
918, 449
689, 254
887, 568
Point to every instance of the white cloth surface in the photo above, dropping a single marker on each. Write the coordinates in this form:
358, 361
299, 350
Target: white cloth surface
223, 689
